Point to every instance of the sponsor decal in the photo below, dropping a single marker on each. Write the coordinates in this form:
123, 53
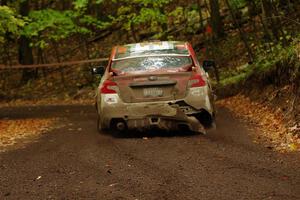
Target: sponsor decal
152, 46
110, 99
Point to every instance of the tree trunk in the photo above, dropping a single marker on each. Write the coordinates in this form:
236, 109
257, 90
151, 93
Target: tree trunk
62, 76
242, 34
3, 2
252, 14
40, 60
99, 12
278, 22
25, 51
267, 10
65, 5
216, 20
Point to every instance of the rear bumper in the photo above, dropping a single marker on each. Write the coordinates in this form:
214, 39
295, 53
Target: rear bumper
168, 115
165, 123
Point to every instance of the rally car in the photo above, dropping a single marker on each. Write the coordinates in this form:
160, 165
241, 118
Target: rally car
155, 85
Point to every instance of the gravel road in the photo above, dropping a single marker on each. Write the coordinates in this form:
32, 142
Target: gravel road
75, 162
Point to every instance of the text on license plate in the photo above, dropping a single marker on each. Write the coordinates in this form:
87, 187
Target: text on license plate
153, 92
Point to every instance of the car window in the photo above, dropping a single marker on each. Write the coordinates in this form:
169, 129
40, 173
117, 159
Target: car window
151, 63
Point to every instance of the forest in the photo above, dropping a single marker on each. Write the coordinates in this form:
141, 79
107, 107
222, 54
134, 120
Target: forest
233, 32
255, 43
73, 126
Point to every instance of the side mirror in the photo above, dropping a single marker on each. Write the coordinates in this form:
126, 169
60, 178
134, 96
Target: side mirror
98, 70
208, 64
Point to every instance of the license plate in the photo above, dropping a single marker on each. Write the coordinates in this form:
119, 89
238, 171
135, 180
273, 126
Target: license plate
153, 92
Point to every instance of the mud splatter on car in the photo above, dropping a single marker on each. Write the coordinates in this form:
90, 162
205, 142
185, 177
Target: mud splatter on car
155, 85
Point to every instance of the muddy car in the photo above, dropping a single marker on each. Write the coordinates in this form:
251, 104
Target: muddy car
155, 85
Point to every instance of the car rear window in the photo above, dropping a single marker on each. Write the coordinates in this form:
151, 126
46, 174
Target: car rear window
151, 63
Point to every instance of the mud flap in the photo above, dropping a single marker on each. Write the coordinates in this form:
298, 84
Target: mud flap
196, 126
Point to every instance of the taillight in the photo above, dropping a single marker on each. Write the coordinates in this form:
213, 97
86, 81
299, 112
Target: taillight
196, 81
109, 87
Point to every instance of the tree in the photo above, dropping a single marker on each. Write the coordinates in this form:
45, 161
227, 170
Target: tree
142, 16
216, 20
241, 32
3, 2
25, 50
10, 28
270, 17
10, 23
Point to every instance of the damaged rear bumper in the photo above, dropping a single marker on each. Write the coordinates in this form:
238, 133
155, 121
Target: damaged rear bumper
166, 115
165, 123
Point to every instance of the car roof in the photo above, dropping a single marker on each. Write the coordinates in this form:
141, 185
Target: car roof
151, 49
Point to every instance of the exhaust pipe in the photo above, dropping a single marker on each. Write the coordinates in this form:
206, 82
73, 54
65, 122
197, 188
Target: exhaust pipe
121, 126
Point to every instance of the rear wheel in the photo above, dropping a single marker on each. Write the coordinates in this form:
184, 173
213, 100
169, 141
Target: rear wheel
206, 119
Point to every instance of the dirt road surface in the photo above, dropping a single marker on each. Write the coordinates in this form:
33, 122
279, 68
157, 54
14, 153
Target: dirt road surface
75, 162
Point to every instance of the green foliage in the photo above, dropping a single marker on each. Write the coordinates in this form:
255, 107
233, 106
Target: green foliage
233, 77
278, 54
283, 57
10, 23
236, 79
148, 14
51, 25
238, 3
186, 18
80, 4
192, 21
92, 21
177, 15
146, 3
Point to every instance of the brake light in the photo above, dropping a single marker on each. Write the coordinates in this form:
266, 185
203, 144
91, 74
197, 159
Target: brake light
109, 87
196, 81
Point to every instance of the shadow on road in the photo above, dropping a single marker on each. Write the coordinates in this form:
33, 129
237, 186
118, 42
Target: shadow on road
149, 134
